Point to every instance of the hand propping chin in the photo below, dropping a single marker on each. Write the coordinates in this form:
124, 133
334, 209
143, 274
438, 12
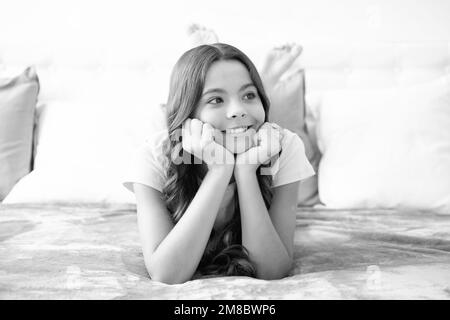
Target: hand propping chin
267, 144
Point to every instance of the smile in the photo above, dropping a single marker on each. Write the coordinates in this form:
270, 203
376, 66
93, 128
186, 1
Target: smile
237, 139
237, 130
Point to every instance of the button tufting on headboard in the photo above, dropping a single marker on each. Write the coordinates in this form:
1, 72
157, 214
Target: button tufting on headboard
327, 65
373, 65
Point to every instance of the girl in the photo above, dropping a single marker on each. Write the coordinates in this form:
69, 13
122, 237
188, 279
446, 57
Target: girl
216, 192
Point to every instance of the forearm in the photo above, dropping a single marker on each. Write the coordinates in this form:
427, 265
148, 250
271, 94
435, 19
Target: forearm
178, 255
259, 236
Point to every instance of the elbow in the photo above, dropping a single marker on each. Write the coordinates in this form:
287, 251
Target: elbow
165, 279
280, 271
163, 275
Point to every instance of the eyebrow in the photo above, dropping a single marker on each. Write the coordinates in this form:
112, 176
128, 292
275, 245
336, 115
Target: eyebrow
245, 86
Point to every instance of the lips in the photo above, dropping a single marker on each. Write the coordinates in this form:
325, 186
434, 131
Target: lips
237, 139
236, 130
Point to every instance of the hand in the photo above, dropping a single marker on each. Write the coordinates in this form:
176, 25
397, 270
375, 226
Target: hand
267, 144
198, 140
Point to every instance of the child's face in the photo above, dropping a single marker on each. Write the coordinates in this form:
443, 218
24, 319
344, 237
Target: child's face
230, 100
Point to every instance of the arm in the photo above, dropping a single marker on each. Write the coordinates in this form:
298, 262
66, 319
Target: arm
268, 235
172, 252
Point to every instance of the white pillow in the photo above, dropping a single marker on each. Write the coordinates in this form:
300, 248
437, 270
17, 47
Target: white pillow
89, 121
18, 96
386, 148
83, 150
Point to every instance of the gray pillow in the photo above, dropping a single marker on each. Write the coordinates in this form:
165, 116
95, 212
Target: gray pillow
288, 110
18, 97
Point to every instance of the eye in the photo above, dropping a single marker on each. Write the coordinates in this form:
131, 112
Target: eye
215, 100
250, 96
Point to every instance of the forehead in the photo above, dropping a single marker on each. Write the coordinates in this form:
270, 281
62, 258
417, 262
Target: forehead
227, 74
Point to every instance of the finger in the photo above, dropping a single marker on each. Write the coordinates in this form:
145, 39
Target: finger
207, 135
270, 137
281, 134
279, 130
196, 135
274, 125
186, 142
183, 128
296, 50
256, 138
265, 125
264, 131
257, 135
275, 141
196, 129
274, 131
218, 136
274, 128
176, 153
185, 133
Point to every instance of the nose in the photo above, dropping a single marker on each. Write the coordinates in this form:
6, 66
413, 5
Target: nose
236, 110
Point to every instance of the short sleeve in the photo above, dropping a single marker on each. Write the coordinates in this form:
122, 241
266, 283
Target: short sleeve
146, 164
292, 165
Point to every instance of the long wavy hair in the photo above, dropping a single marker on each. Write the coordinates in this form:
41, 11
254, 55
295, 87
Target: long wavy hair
224, 254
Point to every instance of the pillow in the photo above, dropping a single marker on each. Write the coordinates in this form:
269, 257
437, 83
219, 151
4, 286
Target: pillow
287, 102
83, 150
387, 148
89, 121
18, 96
288, 110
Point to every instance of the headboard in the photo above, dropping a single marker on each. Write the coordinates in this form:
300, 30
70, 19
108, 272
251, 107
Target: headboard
373, 65
346, 43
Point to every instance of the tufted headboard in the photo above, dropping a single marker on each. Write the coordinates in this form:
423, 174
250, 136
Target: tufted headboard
346, 43
373, 65
327, 66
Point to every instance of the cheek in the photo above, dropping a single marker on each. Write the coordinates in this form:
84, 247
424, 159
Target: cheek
259, 115
209, 116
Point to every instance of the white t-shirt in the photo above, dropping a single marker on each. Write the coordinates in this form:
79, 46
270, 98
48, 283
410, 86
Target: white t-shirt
148, 163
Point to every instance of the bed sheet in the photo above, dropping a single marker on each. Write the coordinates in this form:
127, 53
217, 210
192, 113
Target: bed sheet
92, 251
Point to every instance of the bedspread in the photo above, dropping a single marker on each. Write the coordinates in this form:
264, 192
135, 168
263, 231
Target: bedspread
62, 251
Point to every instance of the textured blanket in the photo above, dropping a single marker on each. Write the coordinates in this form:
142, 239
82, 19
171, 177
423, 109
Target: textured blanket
93, 252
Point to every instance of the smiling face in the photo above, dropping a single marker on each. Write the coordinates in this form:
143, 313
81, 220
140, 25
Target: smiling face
230, 103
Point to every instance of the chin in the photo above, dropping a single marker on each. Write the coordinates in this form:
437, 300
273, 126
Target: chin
239, 143
238, 147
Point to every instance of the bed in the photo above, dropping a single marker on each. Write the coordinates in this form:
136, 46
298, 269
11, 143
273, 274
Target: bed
382, 227
93, 252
